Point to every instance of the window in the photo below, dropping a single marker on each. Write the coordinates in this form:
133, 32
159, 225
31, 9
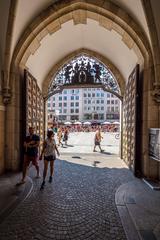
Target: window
64, 91
87, 116
74, 117
98, 94
64, 104
89, 108
97, 101
48, 104
85, 101
108, 95
89, 95
93, 94
53, 104
60, 104
112, 109
89, 101
102, 101
65, 98
112, 101
102, 108
97, 108
102, 94
77, 104
53, 98
108, 101
77, 110
101, 116
117, 109
60, 98
77, 97
72, 97
72, 91
72, 104
72, 110
65, 110
85, 108
85, 94
116, 101
77, 91
108, 109
62, 117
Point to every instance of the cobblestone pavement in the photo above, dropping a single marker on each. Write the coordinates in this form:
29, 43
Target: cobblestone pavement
78, 204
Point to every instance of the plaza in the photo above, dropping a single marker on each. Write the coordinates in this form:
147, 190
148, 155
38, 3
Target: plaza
83, 142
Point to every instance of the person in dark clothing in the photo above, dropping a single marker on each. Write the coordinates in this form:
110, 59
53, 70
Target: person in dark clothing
65, 136
31, 145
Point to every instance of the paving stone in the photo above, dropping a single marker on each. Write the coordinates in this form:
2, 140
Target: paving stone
79, 204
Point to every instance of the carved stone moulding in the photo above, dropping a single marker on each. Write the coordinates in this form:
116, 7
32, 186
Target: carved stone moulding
6, 93
156, 93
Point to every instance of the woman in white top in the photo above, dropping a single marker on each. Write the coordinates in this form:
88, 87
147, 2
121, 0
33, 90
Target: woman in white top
49, 150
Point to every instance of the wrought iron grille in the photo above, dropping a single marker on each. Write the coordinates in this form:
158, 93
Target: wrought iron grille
83, 70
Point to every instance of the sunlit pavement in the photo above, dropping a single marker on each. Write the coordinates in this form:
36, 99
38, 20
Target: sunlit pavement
83, 142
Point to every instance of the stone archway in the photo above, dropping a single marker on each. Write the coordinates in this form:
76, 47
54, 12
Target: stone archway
101, 59
108, 15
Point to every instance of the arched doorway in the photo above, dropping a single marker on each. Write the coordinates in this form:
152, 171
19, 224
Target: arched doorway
96, 74
123, 25
89, 80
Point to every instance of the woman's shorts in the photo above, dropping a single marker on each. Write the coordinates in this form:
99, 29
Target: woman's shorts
50, 158
97, 143
33, 159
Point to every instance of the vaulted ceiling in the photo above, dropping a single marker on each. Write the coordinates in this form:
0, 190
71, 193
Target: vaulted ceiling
71, 37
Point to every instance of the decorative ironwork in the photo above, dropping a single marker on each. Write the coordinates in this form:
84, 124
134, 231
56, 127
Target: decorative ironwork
84, 70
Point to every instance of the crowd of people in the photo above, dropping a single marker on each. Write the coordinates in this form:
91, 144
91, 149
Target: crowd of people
87, 128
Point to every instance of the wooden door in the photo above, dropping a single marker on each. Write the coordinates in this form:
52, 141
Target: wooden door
131, 121
34, 105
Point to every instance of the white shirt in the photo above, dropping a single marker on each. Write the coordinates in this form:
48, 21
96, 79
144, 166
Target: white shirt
50, 148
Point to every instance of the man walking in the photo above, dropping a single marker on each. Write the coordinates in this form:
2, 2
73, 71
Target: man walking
31, 145
97, 140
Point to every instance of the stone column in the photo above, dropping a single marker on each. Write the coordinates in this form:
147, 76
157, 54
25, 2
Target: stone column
2, 136
150, 120
12, 126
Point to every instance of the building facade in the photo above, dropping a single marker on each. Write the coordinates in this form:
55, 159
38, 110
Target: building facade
83, 104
